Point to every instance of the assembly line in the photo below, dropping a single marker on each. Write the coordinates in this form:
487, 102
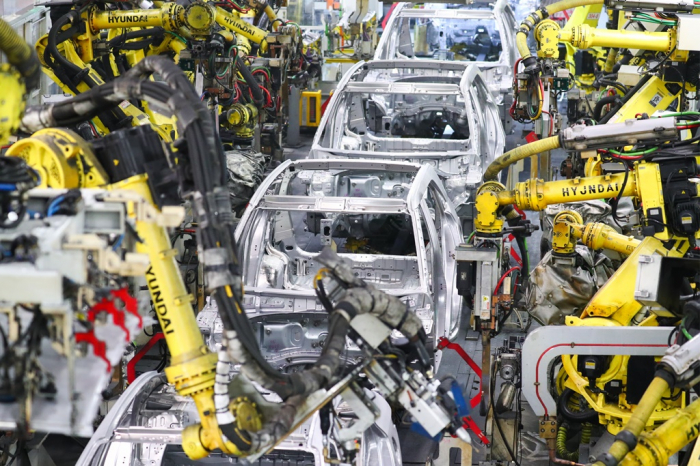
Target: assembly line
290, 233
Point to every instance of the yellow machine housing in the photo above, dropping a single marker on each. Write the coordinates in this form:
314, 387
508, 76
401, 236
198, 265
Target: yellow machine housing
62, 158
613, 304
310, 109
11, 103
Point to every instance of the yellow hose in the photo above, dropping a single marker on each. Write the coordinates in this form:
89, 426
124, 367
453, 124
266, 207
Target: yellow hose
535, 17
610, 60
655, 448
271, 16
20, 55
639, 418
519, 153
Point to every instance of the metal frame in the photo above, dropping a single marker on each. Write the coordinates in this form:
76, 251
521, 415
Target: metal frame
499, 74
425, 177
463, 166
109, 424
544, 344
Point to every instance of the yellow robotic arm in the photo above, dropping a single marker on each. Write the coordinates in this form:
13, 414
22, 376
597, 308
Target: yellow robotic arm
197, 18
584, 36
548, 34
536, 17
170, 16
643, 181
652, 92
235, 426
19, 75
233, 22
568, 227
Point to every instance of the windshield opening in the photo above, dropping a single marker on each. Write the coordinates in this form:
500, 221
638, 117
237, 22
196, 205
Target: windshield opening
381, 247
454, 39
384, 122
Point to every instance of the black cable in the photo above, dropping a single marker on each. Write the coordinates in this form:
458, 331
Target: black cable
619, 86
590, 415
120, 39
670, 335
682, 76
602, 103
68, 72
15, 170
660, 64
253, 84
322, 296
525, 271
625, 98
51, 52
616, 200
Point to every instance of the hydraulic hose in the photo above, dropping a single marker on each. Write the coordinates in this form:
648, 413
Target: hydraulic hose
610, 61
562, 437
20, 55
519, 153
119, 40
51, 52
250, 80
625, 60
535, 17
70, 73
586, 432
272, 16
627, 438
597, 110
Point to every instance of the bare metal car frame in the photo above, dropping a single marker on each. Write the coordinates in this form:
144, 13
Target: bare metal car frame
460, 162
397, 41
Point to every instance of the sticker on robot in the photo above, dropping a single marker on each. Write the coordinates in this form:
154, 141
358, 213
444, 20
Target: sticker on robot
656, 100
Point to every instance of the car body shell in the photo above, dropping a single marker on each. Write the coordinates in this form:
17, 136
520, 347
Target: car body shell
144, 427
441, 87
279, 265
397, 40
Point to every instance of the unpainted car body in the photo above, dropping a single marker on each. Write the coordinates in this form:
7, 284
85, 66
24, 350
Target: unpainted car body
392, 220
429, 112
144, 428
479, 33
